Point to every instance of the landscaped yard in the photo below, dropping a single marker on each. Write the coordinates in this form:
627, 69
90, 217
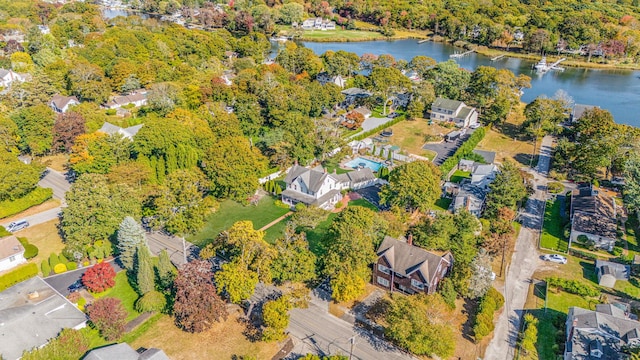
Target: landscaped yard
225, 340
230, 212
442, 204
315, 236
505, 142
552, 231
125, 293
363, 203
460, 175
46, 237
411, 135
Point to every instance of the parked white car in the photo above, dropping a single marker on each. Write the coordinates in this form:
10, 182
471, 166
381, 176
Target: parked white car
555, 258
17, 225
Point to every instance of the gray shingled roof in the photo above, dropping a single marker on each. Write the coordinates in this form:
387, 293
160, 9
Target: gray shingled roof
579, 109
311, 177
406, 259
446, 104
123, 351
488, 156
60, 101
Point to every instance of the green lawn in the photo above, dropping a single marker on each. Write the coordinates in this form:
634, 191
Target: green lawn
628, 288
460, 175
316, 236
340, 35
363, 203
123, 291
631, 227
275, 231
230, 212
442, 204
552, 230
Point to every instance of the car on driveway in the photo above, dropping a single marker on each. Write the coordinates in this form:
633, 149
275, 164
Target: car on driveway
76, 286
393, 115
555, 258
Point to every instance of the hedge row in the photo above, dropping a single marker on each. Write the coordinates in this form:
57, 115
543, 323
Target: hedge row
573, 286
30, 250
464, 150
490, 303
36, 197
379, 128
20, 274
583, 254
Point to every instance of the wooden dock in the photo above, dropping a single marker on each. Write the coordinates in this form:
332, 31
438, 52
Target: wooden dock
423, 41
495, 58
459, 55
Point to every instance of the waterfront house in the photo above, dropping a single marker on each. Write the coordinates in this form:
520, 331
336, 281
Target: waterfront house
599, 334
453, 111
11, 253
316, 187
60, 103
403, 267
578, 110
593, 214
324, 78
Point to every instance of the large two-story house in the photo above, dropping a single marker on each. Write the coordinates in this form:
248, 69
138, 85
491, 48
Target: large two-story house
453, 111
60, 103
316, 187
593, 214
403, 267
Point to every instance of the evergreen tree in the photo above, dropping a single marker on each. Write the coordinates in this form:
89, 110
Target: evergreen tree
130, 237
166, 270
144, 270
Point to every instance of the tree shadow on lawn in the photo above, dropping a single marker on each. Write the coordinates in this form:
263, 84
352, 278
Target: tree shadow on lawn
589, 272
524, 159
551, 332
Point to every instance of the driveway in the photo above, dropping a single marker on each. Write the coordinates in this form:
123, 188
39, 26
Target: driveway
372, 195
524, 262
61, 282
316, 331
58, 182
445, 149
372, 123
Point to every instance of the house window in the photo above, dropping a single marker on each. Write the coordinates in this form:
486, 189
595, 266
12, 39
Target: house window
384, 269
382, 281
12, 258
417, 284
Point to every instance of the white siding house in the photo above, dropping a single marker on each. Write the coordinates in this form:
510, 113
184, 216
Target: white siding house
11, 253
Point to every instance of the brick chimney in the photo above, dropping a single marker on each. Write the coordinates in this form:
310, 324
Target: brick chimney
410, 239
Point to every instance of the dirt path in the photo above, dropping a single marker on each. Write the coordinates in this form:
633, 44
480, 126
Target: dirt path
276, 221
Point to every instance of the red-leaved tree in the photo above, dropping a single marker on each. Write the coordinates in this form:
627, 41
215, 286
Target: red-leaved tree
109, 317
197, 304
99, 278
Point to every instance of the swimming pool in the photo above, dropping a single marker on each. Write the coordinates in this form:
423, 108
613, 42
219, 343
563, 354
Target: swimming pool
362, 162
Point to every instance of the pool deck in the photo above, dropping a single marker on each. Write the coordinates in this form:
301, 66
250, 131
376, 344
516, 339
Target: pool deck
343, 163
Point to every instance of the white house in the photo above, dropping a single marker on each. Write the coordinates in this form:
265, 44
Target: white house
128, 133
60, 103
318, 24
318, 188
137, 98
454, 111
483, 174
11, 253
7, 77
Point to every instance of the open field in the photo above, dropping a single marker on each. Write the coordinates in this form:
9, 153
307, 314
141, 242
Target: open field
505, 140
231, 212
45, 236
410, 136
225, 340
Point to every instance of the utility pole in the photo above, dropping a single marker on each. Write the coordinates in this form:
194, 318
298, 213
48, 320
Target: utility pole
353, 341
184, 250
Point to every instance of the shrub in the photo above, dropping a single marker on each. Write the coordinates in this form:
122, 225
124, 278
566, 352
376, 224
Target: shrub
86, 263
60, 268
70, 344
99, 278
109, 317
62, 259
573, 286
36, 197
280, 204
617, 251
71, 265
582, 254
21, 273
81, 303
53, 260
300, 206
483, 323
46, 269
4, 232
555, 187
339, 205
111, 111
464, 150
151, 301
582, 239
30, 251
74, 297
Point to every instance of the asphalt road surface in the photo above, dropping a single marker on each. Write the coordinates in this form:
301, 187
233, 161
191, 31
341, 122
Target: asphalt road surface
316, 331
61, 282
56, 181
524, 262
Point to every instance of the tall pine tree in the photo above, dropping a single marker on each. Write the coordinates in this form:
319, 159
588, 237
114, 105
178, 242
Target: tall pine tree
166, 271
130, 236
144, 270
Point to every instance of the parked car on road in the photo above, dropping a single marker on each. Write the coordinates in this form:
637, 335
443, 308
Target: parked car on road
393, 115
17, 225
555, 258
76, 286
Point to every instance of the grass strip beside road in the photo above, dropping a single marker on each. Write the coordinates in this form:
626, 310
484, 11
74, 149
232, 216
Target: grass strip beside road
552, 237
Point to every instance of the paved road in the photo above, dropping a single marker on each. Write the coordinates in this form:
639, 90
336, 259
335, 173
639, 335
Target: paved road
316, 331
41, 217
158, 241
524, 262
61, 282
58, 182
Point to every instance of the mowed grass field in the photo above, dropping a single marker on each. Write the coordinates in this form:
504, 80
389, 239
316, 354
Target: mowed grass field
45, 237
410, 136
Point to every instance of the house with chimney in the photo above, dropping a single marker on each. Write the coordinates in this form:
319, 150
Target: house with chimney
11, 253
317, 187
600, 334
454, 111
409, 269
593, 217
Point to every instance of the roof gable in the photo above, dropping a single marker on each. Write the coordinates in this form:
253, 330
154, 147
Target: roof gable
406, 259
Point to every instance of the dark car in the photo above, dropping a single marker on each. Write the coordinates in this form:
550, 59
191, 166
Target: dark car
76, 286
393, 115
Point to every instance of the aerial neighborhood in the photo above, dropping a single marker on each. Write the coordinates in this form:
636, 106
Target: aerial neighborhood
319, 180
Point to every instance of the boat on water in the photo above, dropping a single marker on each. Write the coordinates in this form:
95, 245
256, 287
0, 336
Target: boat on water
541, 65
279, 39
